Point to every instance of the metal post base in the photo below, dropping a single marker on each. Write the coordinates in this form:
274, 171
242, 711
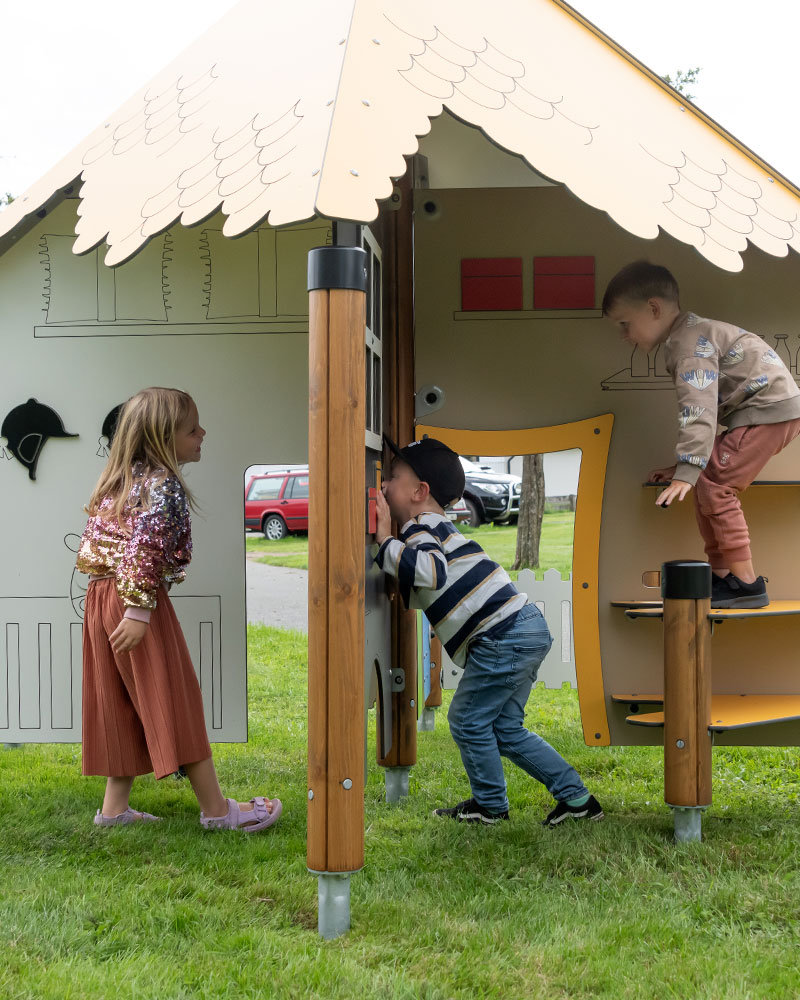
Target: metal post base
333, 904
396, 783
688, 823
11, 746
427, 721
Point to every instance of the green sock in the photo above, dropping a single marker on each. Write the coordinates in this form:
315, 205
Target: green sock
580, 801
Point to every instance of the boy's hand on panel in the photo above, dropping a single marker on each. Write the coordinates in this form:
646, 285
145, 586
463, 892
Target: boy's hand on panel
127, 635
384, 519
676, 490
661, 475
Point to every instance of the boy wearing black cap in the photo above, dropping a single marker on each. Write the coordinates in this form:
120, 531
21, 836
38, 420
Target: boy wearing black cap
486, 625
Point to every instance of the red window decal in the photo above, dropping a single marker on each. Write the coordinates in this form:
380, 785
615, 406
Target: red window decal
563, 283
489, 283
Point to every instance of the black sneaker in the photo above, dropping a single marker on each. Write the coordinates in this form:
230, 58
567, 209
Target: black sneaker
731, 592
471, 812
589, 810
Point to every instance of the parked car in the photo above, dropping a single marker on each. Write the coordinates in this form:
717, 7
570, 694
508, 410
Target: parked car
490, 496
277, 503
459, 512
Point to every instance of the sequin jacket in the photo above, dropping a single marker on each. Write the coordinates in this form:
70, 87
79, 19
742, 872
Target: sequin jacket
152, 546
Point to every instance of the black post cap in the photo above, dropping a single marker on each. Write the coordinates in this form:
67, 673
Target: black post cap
337, 267
685, 580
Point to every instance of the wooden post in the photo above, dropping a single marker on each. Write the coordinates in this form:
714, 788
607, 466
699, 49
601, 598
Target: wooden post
337, 283
396, 239
686, 589
434, 699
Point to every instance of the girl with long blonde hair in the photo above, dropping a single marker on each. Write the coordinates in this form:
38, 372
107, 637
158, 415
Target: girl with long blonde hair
142, 706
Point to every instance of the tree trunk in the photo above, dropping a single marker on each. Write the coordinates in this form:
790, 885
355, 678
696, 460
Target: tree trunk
531, 511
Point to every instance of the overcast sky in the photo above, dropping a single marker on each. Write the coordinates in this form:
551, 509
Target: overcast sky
66, 66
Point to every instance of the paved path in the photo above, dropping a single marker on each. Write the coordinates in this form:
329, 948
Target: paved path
277, 596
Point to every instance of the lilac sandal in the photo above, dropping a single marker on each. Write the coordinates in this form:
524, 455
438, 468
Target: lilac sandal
129, 816
264, 813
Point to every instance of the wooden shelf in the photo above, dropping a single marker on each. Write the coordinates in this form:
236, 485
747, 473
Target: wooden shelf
655, 609
526, 314
756, 482
728, 711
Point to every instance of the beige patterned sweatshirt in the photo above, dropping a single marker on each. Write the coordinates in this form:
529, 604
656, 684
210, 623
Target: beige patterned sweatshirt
723, 375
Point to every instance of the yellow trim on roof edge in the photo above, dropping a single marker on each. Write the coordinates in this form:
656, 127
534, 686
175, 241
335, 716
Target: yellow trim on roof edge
680, 98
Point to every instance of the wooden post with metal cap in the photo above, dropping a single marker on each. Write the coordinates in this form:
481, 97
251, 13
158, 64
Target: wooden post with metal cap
337, 279
686, 590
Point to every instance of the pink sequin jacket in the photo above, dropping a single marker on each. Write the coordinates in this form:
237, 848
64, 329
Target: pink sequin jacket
152, 547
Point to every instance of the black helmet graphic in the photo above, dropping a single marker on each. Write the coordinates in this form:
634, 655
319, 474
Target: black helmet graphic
108, 430
27, 427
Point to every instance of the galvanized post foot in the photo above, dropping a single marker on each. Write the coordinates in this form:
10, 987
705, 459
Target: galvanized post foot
333, 904
396, 783
427, 721
11, 746
688, 823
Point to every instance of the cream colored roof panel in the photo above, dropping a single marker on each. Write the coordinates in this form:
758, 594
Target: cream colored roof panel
284, 111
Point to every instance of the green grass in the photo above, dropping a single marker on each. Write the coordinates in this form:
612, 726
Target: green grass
499, 541
440, 912
291, 551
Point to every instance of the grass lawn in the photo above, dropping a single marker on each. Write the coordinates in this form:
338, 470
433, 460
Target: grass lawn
440, 912
499, 541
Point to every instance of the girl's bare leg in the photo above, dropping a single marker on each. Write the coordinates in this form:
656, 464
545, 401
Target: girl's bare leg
117, 797
203, 777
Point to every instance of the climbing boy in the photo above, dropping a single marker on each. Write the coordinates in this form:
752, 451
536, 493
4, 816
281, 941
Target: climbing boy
486, 625
723, 375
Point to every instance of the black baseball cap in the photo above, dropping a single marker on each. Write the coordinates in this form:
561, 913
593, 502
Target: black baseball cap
435, 464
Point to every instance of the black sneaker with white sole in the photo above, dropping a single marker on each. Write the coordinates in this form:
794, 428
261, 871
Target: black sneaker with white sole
471, 812
731, 592
589, 810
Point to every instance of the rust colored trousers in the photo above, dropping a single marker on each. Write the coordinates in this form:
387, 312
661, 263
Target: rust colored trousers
142, 710
738, 457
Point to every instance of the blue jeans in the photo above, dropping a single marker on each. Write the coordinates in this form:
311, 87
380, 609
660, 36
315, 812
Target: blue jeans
487, 713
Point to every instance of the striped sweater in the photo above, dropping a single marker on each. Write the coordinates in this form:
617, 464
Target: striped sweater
449, 577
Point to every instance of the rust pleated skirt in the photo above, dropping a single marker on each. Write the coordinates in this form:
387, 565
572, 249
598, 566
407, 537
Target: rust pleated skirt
142, 710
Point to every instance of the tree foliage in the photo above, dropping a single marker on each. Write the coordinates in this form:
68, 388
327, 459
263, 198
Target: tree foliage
682, 80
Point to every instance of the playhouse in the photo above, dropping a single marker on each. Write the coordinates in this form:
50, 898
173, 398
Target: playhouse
493, 171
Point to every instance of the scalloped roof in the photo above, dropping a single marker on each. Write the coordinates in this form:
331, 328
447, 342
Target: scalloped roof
284, 111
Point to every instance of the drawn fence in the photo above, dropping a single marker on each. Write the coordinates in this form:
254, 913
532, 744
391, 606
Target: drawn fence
553, 597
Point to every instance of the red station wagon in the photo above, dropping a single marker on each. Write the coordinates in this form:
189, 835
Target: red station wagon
277, 503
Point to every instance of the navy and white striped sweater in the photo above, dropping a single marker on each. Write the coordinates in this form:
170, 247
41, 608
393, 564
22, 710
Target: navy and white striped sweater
449, 577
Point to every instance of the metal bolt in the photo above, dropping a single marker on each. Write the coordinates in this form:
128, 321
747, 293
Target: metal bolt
366, 103
680, 744
347, 783
376, 41
354, 173
310, 793
412, 703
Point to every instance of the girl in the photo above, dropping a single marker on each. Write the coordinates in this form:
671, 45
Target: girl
142, 707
